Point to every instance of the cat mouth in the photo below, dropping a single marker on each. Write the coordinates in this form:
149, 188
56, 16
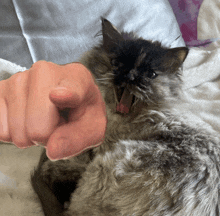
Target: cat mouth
124, 99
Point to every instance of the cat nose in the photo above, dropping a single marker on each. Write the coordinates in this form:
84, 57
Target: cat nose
132, 74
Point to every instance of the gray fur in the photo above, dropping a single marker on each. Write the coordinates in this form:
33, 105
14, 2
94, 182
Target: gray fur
153, 162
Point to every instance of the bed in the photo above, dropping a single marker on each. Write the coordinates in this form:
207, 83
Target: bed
61, 31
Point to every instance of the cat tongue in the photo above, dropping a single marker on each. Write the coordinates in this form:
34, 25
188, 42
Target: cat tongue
125, 102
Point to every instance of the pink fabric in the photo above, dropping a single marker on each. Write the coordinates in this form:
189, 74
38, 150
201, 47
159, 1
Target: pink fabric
186, 12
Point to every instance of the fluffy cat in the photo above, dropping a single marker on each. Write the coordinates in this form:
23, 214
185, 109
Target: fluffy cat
153, 161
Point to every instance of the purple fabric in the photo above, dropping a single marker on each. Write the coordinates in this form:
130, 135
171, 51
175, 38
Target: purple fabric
186, 12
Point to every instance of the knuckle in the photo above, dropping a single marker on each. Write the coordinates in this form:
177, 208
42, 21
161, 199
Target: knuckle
3, 89
3, 83
16, 80
84, 70
41, 64
41, 68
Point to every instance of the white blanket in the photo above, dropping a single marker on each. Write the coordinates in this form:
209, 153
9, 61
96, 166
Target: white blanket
208, 20
202, 83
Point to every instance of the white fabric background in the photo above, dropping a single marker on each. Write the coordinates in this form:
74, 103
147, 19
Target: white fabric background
60, 31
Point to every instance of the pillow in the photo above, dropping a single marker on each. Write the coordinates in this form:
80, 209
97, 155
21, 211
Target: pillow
60, 31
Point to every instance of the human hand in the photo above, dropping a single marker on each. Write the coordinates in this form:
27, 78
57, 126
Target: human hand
31, 103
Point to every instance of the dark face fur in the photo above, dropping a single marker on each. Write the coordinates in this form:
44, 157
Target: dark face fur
141, 71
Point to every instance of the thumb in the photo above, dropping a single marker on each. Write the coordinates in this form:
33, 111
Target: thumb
64, 97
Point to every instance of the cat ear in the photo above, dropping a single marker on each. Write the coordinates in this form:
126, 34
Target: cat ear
111, 36
174, 58
180, 53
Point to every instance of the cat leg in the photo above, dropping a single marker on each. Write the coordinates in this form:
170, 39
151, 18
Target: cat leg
54, 181
50, 204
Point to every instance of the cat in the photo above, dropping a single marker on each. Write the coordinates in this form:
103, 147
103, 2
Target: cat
154, 161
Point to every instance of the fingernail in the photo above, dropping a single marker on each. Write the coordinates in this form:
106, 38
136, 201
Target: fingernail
37, 143
60, 89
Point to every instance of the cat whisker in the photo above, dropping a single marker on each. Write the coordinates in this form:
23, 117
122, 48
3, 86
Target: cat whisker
146, 93
104, 79
146, 89
136, 100
101, 62
99, 33
109, 75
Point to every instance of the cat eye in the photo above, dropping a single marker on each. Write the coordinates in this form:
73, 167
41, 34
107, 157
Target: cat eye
152, 75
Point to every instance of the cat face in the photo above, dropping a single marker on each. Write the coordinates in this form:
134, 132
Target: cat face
141, 70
